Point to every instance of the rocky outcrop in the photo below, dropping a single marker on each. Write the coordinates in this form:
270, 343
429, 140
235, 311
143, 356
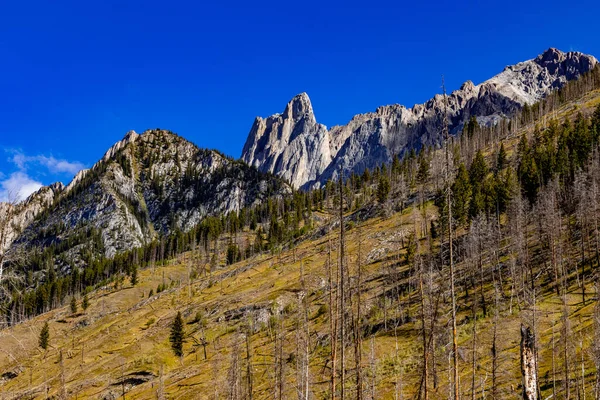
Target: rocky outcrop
292, 144
14, 218
295, 147
144, 186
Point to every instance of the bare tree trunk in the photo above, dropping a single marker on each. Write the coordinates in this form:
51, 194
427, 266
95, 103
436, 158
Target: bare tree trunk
495, 340
332, 322
452, 272
357, 322
473, 353
528, 364
342, 294
553, 364
425, 374
63, 387
160, 392
249, 364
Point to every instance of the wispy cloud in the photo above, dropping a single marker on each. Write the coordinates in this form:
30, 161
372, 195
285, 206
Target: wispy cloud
18, 186
54, 165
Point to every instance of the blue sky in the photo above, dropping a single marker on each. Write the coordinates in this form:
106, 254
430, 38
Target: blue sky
76, 76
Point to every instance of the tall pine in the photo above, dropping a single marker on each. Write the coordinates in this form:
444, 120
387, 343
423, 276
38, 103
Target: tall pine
177, 335
44, 336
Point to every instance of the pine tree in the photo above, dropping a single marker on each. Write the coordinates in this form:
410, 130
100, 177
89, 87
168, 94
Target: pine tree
73, 305
478, 170
44, 336
501, 159
134, 275
177, 335
461, 190
383, 189
423, 171
85, 303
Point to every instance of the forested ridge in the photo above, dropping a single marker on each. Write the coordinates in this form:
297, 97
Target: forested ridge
466, 271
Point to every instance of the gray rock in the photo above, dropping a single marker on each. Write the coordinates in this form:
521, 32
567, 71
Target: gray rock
292, 144
295, 147
145, 185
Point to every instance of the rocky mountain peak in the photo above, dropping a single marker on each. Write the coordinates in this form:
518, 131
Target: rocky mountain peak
299, 107
291, 143
564, 64
129, 137
468, 86
144, 185
294, 146
550, 55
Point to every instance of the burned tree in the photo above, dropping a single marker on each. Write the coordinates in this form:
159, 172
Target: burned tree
528, 364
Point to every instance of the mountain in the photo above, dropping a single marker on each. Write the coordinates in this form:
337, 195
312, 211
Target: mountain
145, 185
16, 217
294, 146
272, 324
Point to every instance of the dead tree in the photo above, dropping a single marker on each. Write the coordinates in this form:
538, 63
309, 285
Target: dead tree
342, 292
455, 381
332, 321
528, 364
357, 322
234, 374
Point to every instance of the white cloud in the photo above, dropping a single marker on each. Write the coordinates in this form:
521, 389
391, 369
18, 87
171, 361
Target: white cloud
54, 165
18, 186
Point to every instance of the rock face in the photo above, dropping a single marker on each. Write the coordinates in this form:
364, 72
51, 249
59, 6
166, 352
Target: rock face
292, 144
145, 185
14, 218
295, 147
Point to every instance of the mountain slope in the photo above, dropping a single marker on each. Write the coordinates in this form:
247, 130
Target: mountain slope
144, 186
297, 148
246, 323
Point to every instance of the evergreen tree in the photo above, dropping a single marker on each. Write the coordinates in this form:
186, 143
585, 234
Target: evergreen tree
85, 303
177, 335
383, 189
478, 170
461, 195
527, 171
73, 305
134, 275
595, 125
44, 336
472, 126
501, 159
233, 254
395, 165
423, 171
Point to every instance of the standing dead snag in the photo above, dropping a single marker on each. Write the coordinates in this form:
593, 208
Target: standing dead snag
528, 365
455, 381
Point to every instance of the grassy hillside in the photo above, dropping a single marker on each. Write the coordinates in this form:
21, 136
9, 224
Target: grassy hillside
252, 319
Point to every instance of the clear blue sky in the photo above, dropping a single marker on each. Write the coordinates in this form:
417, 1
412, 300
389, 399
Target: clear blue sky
76, 76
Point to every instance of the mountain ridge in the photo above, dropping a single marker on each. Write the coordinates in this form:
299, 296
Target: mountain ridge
145, 185
307, 153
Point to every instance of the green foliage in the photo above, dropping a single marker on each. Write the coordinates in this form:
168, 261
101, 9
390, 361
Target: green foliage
134, 275
44, 338
471, 127
461, 195
423, 171
85, 303
383, 189
177, 336
233, 254
73, 305
501, 158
